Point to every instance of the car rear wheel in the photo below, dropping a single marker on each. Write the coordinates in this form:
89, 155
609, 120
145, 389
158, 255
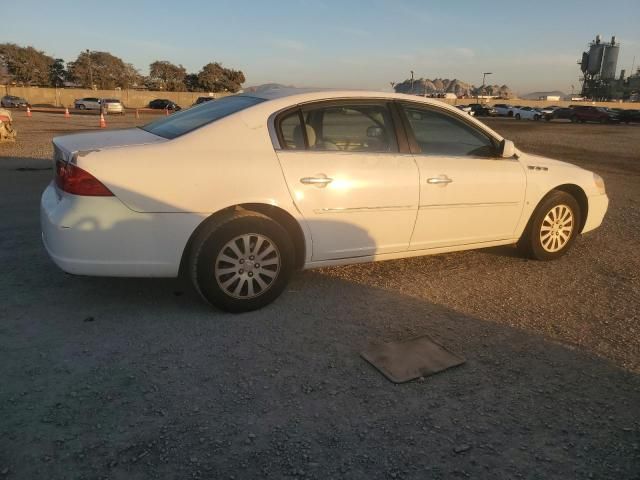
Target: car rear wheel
518, 116
536, 117
81, 107
242, 262
552, 228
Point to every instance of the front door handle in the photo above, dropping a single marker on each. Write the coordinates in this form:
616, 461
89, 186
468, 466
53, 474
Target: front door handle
442, 179
317, 181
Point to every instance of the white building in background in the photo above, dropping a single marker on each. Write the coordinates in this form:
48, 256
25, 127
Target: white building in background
550, 98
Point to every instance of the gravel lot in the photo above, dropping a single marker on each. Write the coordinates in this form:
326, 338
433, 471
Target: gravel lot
130, 378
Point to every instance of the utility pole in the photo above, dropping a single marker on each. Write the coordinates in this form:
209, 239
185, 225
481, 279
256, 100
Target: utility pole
90, 71
411, 82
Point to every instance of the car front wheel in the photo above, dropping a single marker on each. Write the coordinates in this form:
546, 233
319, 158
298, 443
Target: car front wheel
242, 262
552, 228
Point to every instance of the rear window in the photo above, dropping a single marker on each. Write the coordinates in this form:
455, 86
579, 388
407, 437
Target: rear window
195, 117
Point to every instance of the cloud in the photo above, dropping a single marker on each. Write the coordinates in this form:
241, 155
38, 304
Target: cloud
464, 52
287, 44
354, 32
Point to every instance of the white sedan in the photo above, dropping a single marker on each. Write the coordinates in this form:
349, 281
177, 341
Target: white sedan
527, 113
238, 193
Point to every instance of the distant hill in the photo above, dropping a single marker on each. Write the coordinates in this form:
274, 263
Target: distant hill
265, 86
537, 95
422, 86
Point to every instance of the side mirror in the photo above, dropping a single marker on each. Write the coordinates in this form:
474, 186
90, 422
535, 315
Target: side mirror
507, 149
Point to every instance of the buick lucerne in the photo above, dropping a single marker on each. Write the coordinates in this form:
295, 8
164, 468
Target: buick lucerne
238, 193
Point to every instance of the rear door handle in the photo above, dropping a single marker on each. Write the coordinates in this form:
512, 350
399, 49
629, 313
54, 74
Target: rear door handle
442, 179
317, 181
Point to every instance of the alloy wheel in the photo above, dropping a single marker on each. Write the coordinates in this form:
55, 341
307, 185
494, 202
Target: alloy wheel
247, 266
556, 229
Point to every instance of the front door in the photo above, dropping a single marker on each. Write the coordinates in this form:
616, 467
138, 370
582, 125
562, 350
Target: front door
468, 193
357, 193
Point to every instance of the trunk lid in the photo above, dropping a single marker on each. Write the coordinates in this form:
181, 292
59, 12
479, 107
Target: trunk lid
82, 142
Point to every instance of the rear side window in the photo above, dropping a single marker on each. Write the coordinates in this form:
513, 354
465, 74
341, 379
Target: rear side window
195, 117
440, 134
291, 132
357, 127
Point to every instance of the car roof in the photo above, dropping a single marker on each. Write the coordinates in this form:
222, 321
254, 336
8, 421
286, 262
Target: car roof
278, 99
294, 96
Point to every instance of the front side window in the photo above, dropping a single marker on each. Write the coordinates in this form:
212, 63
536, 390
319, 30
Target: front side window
441, 134
196, 117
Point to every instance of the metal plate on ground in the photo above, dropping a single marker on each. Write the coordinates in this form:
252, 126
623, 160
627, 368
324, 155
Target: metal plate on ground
409, 359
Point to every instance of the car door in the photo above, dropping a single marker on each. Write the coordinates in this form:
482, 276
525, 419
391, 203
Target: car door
468, 193
356, 189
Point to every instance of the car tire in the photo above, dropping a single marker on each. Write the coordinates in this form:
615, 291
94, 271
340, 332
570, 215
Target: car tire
510, 114
82, 106
536, 117
552, 228
518, 116
241, 262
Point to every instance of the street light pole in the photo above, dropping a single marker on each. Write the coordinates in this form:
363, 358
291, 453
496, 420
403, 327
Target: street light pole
484, 76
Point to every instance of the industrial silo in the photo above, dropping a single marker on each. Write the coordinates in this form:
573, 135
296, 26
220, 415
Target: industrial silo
584, 63
596, 52
610, 60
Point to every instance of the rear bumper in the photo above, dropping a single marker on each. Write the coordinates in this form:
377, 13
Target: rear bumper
598, 205
100, 236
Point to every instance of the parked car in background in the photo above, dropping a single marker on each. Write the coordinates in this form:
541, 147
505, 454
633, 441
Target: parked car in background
562, 113
504, 109
628, 116
164, 104
466, 109
294, 179
526, 113
11, 101
480, 110
88, 103
200, 100
548, 110
585, 114
112, 105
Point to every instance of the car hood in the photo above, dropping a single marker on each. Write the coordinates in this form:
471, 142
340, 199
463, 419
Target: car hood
79, 142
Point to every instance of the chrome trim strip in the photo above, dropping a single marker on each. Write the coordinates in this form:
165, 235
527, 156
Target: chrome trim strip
465, 205
363, 209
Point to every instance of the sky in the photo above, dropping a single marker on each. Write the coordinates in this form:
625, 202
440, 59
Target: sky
528, 45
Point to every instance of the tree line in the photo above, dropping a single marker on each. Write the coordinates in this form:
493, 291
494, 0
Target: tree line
101, 70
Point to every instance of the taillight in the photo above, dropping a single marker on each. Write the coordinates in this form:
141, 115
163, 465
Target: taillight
72, 179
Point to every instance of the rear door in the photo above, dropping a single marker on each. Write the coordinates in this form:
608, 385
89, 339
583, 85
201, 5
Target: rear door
356, 189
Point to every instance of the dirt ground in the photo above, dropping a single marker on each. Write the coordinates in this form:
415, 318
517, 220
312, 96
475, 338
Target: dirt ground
136, 379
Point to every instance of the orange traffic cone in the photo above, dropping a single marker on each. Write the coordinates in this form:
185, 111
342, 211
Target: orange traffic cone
137, 114
28, 112
66, 113
166, 112
103, 123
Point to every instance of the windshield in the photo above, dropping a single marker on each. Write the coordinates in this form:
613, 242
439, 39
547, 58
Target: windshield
196, 117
